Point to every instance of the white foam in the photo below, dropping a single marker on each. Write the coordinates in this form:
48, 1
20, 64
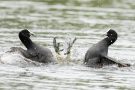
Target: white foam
17, 59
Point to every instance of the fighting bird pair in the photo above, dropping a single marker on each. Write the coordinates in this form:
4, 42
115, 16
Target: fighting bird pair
96, 56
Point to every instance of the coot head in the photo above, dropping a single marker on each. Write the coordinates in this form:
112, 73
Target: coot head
112, 36
24, 36
25, 33
112, 33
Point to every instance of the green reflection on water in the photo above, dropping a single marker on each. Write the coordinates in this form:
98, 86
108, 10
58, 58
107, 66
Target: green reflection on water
94, 3
14, 23
63, 18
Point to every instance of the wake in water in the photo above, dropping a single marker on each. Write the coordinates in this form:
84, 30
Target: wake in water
62, 55
14, 56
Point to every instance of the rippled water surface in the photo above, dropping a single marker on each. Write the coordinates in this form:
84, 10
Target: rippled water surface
87, 20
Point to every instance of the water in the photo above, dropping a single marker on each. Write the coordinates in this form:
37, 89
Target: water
87, 20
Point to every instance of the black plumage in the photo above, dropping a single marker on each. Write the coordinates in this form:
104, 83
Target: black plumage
97, 55
34, 52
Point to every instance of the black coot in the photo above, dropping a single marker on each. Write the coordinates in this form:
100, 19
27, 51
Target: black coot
96, 56
34, 51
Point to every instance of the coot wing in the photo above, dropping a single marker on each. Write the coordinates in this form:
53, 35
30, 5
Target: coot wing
108, 61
